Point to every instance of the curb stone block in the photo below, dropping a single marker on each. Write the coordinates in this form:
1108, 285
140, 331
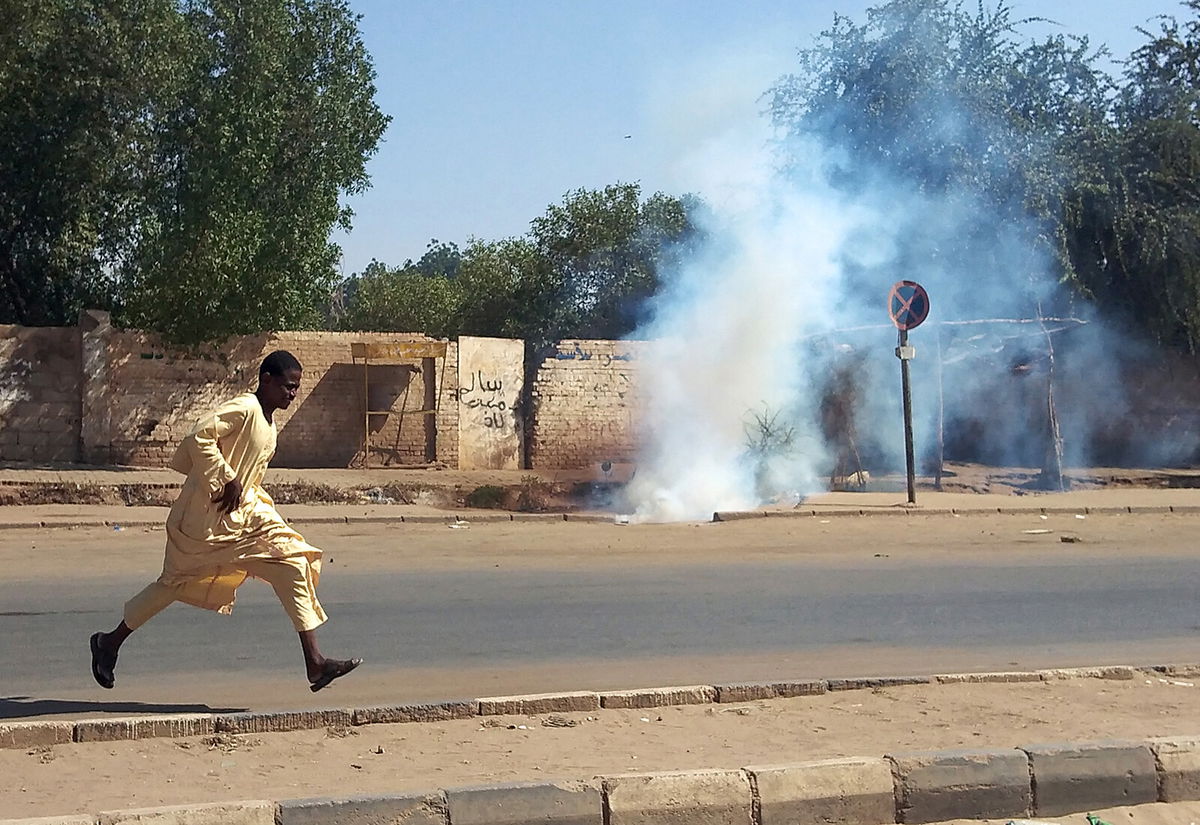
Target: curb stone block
1119, 672
745, 692
435, 712
807, 687
411, 809
832, 791
962, 784
1178, 762
1187, 670
1071, 778
737, 515
536, 703
563, 803
280, 721
752, 691
35, 734
682, 798
986, 678
257, 812
143, 727
659, 697
877, 682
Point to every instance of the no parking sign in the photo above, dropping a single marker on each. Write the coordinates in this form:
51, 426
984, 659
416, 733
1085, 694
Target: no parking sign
908, 305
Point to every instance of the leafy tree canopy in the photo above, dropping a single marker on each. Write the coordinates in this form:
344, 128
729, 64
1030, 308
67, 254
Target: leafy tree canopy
584, 269
1099, 175
179, 161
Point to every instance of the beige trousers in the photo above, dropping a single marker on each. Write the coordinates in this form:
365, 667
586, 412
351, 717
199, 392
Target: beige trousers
288, 580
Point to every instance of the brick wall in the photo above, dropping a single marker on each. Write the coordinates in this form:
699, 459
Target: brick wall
156, 395
142, 398
586, 404
39, 393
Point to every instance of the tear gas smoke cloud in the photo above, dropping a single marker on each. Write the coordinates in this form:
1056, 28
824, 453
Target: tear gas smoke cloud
747, 326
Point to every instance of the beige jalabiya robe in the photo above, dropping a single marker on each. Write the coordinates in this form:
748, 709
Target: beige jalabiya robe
205, 546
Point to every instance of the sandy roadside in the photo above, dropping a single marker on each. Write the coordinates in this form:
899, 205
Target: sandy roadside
412, 757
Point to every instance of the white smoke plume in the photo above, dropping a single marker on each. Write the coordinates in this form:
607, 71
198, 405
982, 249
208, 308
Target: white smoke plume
728, 331
738, 330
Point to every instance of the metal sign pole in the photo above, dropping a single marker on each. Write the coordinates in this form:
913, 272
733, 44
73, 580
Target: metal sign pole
908, 306
905, 353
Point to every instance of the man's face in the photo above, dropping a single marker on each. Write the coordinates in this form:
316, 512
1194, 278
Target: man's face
280, 390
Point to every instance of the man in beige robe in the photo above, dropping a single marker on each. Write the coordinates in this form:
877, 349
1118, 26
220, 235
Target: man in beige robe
224, 528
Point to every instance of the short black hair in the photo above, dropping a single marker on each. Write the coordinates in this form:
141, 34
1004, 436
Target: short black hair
279, 362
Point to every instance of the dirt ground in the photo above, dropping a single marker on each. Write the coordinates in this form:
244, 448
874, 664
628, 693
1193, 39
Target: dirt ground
1179, 813
415, 757
591, 487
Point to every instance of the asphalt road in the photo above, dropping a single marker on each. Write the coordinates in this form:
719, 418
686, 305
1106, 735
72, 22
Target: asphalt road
533, 608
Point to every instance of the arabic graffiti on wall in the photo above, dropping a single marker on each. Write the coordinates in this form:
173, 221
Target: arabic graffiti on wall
605, 359
484, 394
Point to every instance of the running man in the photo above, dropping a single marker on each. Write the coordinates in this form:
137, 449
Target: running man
224, 528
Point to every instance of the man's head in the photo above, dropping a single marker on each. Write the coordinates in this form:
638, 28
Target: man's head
279, 380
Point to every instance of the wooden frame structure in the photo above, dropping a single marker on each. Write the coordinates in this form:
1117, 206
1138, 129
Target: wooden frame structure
404, 352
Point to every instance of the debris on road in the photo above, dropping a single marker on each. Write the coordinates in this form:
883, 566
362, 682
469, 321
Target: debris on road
558, 722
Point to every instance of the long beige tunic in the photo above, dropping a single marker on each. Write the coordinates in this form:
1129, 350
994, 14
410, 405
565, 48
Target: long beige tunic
206, 546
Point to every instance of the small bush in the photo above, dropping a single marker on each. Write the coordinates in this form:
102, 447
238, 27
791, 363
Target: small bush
534, 494
307, 492
487, 497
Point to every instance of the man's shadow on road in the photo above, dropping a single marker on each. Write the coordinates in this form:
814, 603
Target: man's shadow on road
17, 707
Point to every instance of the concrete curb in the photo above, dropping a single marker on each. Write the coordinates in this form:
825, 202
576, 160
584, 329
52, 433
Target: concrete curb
449, 518
31, 734
943, 785
67, 522
900, 510
1037, 781
1073, 777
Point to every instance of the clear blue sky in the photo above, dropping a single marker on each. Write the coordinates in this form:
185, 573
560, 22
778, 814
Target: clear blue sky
500, 107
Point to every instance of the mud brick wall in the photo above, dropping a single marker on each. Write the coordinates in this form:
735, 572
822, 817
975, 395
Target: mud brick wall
157, 394
39, 393
586, 404
324, 427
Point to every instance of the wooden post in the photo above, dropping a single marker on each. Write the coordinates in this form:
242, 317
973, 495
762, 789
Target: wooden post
366, 413
1052, 468
429, 377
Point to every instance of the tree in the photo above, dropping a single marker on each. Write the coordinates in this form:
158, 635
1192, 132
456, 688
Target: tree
1136, 234
584, 270
401, 299
80, 89
272, 127
606, 248
219, 136
507, 289
952, 107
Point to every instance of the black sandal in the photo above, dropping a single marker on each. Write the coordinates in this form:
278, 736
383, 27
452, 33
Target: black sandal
334, 668
103, 664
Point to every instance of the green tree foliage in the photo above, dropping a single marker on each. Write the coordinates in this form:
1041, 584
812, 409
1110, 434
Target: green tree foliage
1136, 231
401, 299
957, 106
80, 85
584, 270
188, 157
605, 248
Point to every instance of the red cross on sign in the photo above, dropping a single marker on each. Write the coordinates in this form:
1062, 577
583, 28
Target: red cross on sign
908, 305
